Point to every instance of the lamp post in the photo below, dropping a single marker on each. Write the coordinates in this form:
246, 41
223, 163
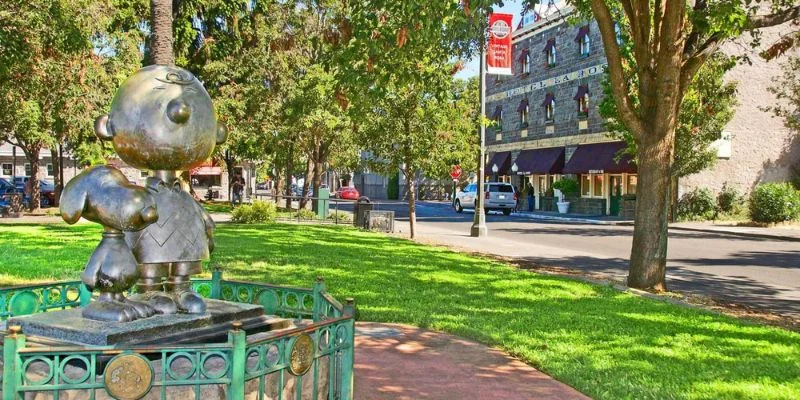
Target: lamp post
479, 222
494, 172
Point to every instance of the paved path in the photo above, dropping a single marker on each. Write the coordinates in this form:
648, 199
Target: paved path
400, 362
758, 272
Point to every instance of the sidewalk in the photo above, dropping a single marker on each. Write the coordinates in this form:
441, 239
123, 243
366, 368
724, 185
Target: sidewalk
400, 362
729, 228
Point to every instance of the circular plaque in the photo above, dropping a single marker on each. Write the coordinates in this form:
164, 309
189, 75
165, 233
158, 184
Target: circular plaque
302, 355
128, 377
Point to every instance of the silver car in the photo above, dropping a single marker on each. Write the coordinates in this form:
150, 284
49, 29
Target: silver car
498, 196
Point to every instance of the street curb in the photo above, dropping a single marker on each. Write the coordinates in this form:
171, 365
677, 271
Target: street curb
570, 219
740, 234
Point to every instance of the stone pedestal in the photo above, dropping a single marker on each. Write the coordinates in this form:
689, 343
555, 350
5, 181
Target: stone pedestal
70, 327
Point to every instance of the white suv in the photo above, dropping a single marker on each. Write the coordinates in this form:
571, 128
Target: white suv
498, 196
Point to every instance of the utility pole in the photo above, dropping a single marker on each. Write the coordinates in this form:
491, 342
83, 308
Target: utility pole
479, 228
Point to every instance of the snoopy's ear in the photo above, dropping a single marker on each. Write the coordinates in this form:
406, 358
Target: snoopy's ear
101, 128
222, 134
73, 200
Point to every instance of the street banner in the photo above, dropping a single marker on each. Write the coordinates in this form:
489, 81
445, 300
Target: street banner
498, 54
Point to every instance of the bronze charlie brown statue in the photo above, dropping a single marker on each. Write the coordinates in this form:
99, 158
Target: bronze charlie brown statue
162, 120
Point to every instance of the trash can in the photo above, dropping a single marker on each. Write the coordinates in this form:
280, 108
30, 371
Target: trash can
360, 211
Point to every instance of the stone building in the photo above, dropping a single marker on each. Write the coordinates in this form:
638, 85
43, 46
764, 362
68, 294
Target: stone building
547, 124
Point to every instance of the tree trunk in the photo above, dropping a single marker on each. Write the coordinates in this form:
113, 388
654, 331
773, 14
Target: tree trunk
33, 183
307, 183
649, 252
277, 185
289, 174
230, 164
161, 32
412, 201
56, 161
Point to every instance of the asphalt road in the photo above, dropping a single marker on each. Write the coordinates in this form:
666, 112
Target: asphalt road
756, 272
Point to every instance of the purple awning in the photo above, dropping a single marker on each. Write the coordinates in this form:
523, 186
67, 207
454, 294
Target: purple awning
582, 91
522, 105
548, 98
583, 31
550, 44
502, 160
540, 161
522, 55
600, 158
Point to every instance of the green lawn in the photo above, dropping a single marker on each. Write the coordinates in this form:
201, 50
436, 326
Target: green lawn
607, 344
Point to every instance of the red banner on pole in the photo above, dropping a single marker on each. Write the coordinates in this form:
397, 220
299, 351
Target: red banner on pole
498, 54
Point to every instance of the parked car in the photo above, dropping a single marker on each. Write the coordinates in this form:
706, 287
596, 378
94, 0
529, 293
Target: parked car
47, 190
498, 196
347, 193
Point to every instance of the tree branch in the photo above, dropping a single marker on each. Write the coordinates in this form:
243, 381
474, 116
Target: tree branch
763, 21
619, 86
693, 63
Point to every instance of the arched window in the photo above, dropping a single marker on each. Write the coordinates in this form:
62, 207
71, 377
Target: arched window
549, 105
550, 52
582, 100
523, 113
583, 40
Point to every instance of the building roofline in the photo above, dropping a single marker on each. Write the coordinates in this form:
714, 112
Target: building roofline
555, 19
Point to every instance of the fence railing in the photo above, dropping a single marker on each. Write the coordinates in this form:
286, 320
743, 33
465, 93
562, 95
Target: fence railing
314, 360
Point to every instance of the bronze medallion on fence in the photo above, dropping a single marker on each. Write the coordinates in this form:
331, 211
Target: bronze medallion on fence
128, 377
302, 355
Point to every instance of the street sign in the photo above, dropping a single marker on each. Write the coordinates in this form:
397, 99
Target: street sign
455, 171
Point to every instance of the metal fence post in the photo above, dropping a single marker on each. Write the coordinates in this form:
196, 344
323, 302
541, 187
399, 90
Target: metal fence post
85, 295
319, 287
348, 355
216, 283
12, 367
238, 339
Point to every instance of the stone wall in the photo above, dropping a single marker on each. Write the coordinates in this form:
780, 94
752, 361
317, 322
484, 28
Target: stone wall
587, 206
763, 149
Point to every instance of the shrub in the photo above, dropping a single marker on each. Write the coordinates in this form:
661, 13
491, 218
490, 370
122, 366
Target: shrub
774, 202
342, 216
729, 200
306, 214
257, 213
567, 186
697, 205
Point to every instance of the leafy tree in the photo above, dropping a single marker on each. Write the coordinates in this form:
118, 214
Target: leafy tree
707, 107
670, 41
787, 90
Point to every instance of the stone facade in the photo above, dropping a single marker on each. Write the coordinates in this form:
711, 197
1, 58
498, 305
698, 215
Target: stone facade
762, 148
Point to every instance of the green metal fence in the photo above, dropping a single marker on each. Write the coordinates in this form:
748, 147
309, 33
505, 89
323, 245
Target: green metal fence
260, 366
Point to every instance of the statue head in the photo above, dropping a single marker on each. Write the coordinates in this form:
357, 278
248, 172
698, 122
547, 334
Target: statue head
162, 119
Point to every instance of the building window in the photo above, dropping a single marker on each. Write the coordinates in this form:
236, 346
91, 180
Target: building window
8, 169
582, 100
550, 52
523, 113
498, 117
632, 180
524, 63
583, 40
549, 105
597, 185
27, 169
50, 170
586, 185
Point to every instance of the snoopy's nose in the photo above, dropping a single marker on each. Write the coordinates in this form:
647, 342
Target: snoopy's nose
149, 214
178, 111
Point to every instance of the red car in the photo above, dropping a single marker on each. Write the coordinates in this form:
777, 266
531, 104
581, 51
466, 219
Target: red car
347, 193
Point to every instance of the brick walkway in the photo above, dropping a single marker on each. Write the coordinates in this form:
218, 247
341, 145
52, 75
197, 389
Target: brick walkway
401, 362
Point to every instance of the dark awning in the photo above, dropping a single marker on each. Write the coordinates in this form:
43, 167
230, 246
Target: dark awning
582, 91
522, 105
502, 160
549, 45
583, 31
548, 98
522, 55
600, 158
540, 161
498, 112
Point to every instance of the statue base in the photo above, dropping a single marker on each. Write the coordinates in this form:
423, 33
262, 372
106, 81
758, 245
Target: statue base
69, 326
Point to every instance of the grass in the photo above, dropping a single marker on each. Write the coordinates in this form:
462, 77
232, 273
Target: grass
605, 343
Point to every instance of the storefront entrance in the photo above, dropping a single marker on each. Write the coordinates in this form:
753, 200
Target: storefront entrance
615, 203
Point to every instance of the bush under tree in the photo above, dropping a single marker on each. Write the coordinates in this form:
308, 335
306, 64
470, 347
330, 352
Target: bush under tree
257, 213
774, 202
697, 205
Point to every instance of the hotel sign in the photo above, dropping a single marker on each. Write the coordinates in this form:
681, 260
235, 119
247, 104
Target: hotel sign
498, 55
566, 78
